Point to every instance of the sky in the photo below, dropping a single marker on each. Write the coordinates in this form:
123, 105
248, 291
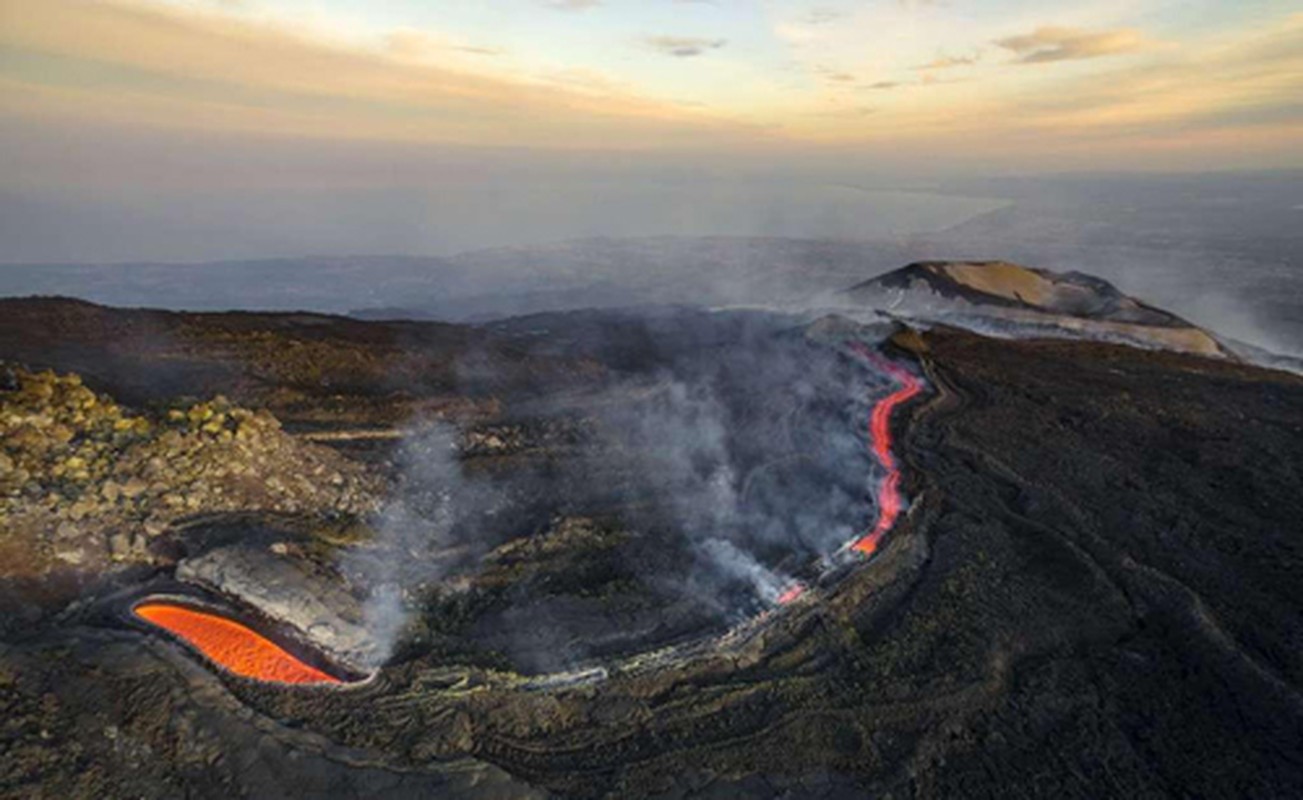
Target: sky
137, 102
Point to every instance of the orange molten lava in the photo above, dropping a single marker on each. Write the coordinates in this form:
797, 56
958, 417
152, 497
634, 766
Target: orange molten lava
791, 593
889, 500
232, 645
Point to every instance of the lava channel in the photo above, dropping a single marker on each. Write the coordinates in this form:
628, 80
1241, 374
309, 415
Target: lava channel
889, 500
888, 494
235, 647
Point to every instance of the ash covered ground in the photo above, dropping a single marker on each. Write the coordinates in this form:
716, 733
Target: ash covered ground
555, 554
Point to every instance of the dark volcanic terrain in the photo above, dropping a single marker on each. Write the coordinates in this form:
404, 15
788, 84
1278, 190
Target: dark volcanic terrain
1094, 590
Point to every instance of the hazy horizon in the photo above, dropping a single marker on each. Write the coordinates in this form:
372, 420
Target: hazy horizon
194, 130
1153, 143
103, 221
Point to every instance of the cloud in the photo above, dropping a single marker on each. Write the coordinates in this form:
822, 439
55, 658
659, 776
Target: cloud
1050, 43
147, 66
408, 43
1227, 97
1223, 94
847, 112
832, 75
823, 16
948, 62
1239, 81
572, 5
684, 46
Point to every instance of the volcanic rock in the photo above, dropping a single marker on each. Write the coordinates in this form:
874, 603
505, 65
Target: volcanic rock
84, 475
290, 589
1074, 303
1092, 593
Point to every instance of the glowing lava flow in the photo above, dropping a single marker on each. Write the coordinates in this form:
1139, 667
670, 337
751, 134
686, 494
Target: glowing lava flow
791, 593
889, 501
232, 645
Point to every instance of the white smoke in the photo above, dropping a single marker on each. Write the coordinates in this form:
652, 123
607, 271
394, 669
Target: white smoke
755, 461
738, 564
422, 533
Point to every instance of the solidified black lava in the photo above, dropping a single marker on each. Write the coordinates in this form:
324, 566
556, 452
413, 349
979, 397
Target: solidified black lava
1094, 594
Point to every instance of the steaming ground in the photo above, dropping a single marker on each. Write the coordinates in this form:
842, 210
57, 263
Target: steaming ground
1093, 592
714, 470
689, 468
560, 539
1092, 595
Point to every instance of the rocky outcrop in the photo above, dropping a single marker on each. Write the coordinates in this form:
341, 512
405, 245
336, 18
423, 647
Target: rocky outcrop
85, 482
1001, 294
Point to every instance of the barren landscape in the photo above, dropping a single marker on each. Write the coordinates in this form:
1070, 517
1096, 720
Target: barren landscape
604, 554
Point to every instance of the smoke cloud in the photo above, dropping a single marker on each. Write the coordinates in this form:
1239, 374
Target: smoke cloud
733, 466
425, 530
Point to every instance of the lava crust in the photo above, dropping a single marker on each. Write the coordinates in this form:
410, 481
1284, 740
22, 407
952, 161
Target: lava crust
1092, 590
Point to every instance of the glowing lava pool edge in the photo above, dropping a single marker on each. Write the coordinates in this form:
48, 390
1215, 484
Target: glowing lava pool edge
243, 651
235, 647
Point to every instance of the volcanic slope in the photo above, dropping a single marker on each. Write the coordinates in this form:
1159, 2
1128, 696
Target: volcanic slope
313, 371
1029, 299
1093, 594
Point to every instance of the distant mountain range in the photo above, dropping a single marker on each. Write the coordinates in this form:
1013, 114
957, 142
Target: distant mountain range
1246, 297
482, 284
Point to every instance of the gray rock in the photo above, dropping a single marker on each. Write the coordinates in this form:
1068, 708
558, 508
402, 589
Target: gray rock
285, 587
